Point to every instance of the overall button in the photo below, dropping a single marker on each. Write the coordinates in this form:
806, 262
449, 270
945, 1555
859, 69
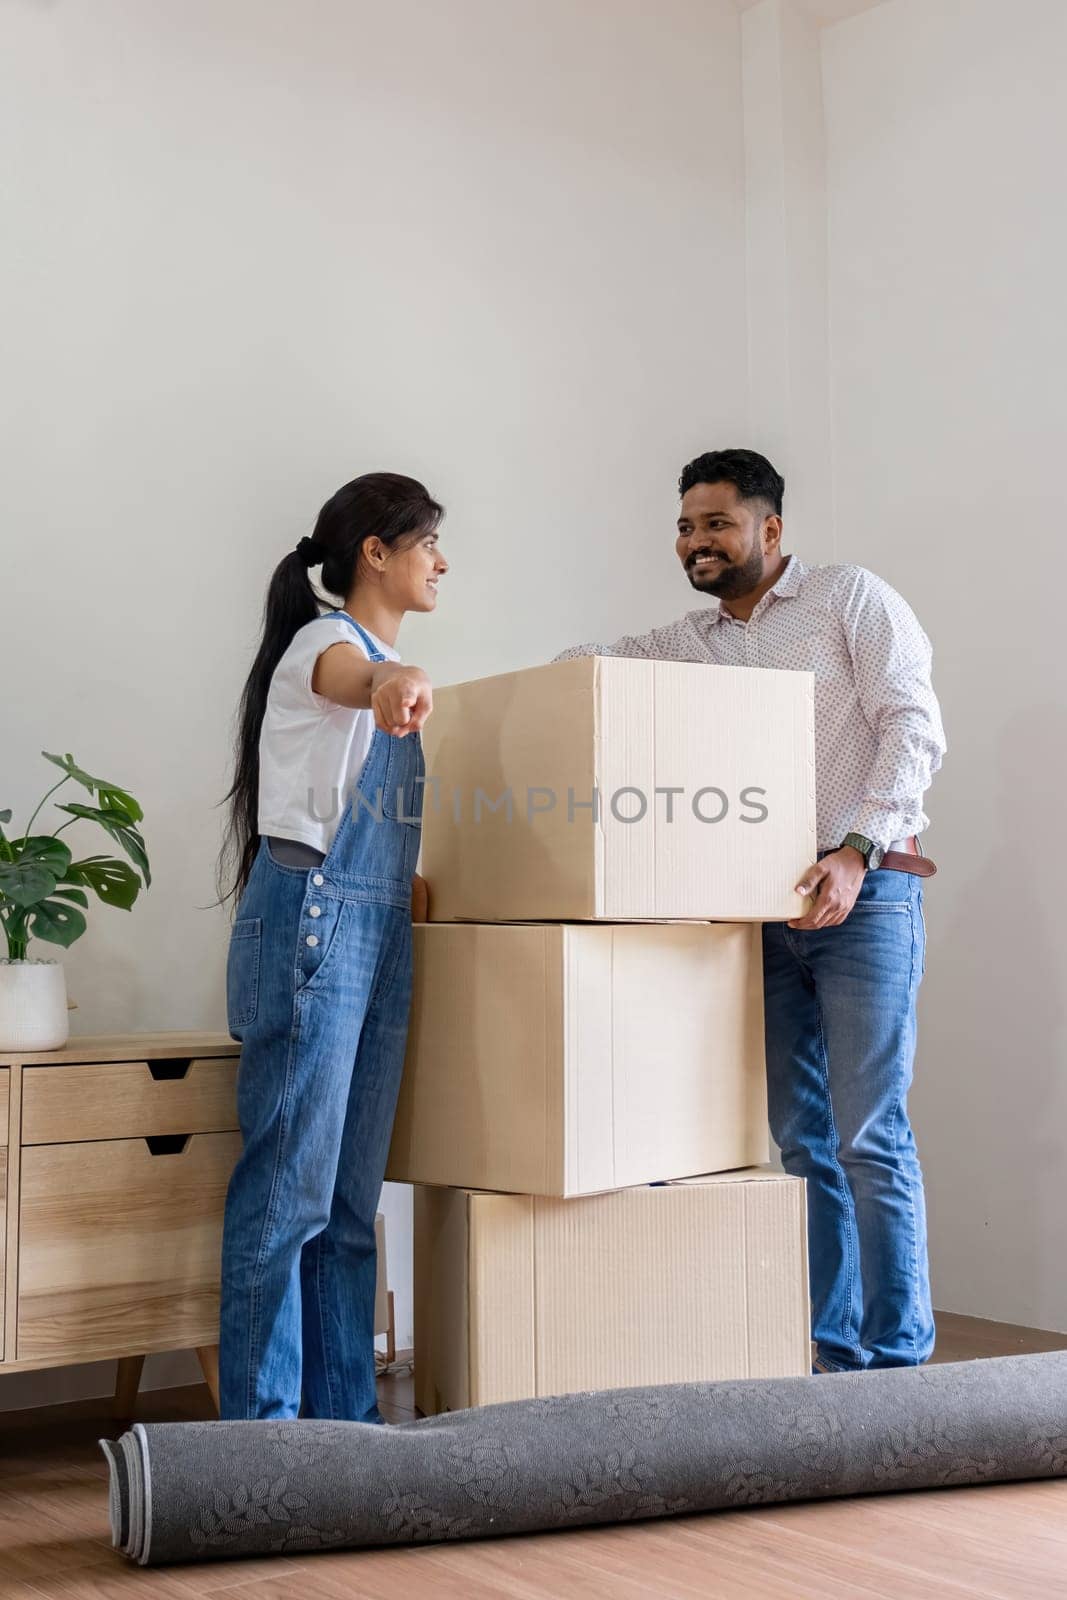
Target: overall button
314, 911
311, 940
318, 880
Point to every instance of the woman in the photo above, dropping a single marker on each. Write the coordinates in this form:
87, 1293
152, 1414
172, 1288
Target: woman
325, 826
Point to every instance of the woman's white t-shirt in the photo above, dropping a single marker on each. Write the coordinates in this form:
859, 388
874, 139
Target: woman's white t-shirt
311, 750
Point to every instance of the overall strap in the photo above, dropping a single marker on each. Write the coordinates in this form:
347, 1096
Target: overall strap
372, 649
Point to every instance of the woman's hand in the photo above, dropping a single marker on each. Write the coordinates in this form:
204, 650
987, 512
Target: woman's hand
401, 698
420, 899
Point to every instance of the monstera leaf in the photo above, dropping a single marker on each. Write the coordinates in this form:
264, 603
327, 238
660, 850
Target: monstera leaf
56, 922
40, 864
113, 881
117, 824
78, 896
112, 798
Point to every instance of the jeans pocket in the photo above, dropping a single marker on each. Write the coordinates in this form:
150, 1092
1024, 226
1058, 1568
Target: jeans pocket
242, 973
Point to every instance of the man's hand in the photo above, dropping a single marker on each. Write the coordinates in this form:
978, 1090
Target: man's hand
401, 698
420, 899
835, 882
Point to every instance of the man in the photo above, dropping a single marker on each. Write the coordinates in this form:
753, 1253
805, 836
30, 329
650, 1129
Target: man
840, 982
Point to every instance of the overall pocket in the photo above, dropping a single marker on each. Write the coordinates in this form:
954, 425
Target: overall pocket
242, 973
401, 792
402, 797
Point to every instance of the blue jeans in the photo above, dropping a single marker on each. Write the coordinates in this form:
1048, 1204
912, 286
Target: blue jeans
840, 1026
318, 992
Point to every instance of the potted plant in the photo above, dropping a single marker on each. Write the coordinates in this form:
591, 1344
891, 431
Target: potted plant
43, 896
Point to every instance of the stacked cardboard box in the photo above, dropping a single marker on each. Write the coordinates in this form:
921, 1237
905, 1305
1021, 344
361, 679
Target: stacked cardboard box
583, 1104
704, 803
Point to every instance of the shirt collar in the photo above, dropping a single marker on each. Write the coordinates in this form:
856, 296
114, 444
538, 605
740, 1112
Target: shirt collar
786, 587
792, 576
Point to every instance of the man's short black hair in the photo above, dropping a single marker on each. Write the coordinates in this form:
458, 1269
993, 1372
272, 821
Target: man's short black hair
750, 473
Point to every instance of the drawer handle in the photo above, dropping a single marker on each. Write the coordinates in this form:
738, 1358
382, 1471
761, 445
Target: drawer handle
170, 1069
167, 1144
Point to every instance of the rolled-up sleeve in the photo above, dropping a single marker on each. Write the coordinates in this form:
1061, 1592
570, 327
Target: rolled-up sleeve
891, 657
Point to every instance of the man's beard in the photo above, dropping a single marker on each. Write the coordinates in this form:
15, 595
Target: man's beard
739, 578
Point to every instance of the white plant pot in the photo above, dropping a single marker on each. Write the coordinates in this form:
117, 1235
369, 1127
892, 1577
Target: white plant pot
33, 1005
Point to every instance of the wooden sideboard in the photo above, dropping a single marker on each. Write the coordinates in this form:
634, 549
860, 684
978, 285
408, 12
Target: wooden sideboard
115, 1155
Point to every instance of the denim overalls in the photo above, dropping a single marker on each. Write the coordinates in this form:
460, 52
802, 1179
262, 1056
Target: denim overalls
318, 987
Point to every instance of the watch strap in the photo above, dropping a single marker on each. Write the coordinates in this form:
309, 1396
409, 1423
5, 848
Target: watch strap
872, 854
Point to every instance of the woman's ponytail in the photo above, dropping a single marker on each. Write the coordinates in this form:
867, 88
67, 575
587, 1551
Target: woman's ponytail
384, 505
291, 602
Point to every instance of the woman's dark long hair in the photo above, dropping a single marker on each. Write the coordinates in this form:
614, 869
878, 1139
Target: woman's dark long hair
381, 505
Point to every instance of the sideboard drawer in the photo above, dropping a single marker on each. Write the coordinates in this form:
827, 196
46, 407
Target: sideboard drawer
128, 1099
5, 1089
119, 1247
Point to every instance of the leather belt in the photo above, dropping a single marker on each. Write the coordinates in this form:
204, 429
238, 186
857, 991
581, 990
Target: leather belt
904, 855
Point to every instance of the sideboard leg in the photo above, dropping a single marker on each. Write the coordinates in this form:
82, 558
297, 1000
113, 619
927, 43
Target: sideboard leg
208, 1356
127, 1382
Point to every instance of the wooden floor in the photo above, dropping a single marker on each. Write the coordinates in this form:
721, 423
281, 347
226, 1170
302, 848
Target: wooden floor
1000, 1542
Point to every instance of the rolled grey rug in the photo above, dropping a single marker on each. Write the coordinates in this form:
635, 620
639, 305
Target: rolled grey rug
196, 1491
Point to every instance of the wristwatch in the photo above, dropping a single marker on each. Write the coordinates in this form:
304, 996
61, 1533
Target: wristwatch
872, 853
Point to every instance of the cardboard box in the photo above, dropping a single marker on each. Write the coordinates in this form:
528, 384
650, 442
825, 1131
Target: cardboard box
517, 1297
565, 1059
737, 743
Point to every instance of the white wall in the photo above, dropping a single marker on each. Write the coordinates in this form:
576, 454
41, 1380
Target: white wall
946, 132
256, 247
786, 269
